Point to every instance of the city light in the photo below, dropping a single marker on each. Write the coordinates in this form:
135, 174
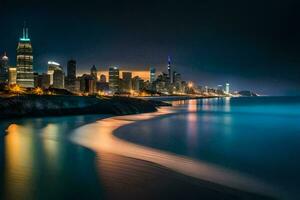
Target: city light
38, 91
16, 89
53, 63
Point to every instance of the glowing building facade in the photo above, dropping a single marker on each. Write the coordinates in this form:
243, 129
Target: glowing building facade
12, 75
53, 66
152, 74
227, 88
25, 61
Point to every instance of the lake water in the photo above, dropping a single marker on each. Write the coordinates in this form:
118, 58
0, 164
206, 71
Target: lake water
37, 160
259, 137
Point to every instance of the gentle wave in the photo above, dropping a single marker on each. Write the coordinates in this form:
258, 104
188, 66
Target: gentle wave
99, 137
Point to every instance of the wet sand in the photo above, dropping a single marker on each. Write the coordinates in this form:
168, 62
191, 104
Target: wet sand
128, 178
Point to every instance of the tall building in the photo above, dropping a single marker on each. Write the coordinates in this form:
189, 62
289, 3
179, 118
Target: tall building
127, 84
137, 83
114, 77
152, 74
220, 89
12, 75
58, 79
169, 69
227, 88
71, 76
43, 81
52, 66
4, 69
35, 79
176, 77
71, 70
94, 72
87, 84
25, 61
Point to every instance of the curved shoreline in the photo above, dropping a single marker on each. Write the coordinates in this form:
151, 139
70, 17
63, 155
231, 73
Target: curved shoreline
104, 140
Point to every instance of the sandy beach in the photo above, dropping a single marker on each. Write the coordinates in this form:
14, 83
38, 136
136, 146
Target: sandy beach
177, 173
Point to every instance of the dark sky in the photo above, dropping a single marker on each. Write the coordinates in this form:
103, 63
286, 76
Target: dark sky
250, 44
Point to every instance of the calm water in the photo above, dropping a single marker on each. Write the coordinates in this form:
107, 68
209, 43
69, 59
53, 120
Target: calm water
38, 161
256, 136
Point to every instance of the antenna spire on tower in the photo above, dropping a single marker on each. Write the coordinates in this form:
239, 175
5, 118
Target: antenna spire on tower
24, 30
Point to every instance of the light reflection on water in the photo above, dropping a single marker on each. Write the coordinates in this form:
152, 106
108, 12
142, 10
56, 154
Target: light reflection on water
257, 136
99, 137
243, 135
40, 163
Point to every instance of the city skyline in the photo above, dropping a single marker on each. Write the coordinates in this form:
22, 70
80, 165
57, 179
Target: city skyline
235, 43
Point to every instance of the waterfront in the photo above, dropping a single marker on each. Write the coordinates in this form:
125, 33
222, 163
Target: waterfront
255, 136
235, 142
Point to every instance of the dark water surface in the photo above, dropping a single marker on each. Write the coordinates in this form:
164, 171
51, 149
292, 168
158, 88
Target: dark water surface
39, 162
256, 136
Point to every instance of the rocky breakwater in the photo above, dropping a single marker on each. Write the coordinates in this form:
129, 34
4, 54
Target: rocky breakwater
58, 105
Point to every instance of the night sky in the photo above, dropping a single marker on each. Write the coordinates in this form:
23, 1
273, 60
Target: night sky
251, 44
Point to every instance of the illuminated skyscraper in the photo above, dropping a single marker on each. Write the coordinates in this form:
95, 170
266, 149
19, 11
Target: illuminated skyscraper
25, 61
227, 88
4, 69
114, 77
152, 74
52, 66
12, 76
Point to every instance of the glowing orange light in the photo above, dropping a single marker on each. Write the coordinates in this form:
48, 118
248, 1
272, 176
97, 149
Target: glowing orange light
16, 89
38, 91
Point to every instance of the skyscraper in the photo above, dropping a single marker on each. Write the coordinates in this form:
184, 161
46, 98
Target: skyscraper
25, 61
12, 75
169, 69
152, 74
94, 72
127, 84
71, 76
52, 66
227, 89
114, 76
58, 79
4, 69
71, 70
87, 84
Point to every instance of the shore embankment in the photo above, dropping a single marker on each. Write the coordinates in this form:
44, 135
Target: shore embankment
176, 98
58, 105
